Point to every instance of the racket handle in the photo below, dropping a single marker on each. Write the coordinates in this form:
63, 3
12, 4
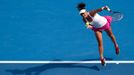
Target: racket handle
108, 9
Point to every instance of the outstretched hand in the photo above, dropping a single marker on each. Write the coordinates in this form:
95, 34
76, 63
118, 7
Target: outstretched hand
106, 8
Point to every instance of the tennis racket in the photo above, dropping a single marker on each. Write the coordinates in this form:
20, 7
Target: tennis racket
116, 16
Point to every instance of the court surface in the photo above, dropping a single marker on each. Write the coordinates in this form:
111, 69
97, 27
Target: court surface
46, 30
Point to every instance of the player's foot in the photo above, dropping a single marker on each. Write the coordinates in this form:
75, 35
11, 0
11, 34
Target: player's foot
103, 61
117, 50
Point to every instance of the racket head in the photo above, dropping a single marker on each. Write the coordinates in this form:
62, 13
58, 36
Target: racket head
116, 16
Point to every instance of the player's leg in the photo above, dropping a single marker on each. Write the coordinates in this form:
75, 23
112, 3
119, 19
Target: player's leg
98, 35
111, 35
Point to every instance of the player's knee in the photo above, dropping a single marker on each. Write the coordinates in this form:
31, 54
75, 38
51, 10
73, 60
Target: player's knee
110, 34
100, 45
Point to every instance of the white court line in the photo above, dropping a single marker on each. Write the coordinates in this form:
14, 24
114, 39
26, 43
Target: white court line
47, 62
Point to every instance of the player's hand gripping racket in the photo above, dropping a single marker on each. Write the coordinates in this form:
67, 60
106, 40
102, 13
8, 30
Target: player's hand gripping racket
116, 16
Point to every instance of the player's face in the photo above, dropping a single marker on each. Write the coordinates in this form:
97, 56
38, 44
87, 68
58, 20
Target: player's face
85, 15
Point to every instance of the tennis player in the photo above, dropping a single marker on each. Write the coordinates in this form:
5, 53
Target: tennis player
98, 23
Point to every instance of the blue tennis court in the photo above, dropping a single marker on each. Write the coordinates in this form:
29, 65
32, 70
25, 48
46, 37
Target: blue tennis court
45, 30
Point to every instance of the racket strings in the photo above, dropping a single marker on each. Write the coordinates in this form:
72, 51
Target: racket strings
117, 16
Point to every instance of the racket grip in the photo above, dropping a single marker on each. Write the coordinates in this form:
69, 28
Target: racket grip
108, 9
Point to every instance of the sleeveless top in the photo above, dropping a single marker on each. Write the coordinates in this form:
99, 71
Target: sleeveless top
98, 21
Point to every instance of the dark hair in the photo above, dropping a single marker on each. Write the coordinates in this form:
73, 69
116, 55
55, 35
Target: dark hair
81, 6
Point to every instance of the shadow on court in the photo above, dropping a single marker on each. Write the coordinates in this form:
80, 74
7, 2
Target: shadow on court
42, 68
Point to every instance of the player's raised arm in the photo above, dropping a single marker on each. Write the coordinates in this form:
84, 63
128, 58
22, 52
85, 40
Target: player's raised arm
100, 9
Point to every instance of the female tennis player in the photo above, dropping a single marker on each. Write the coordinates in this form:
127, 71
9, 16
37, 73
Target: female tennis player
98, 23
